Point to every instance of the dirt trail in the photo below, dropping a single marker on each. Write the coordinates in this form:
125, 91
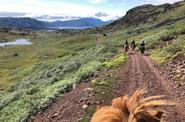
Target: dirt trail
138, 72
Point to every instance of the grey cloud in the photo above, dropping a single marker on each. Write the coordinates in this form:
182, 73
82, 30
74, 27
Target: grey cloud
11, 14
101, 14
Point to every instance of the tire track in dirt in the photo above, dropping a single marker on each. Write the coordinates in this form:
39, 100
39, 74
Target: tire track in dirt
127, 77
139, 72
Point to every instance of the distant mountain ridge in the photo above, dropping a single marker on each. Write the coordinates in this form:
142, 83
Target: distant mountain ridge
30, 23
82, 22
27, 23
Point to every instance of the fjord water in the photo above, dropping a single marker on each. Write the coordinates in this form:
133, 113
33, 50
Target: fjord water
16, 42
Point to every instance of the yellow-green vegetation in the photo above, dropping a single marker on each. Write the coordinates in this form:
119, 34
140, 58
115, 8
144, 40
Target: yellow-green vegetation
37, 94
43, 72
88, 114
48, 49
170, 51
116, 61
103, 84
155, 55
164, 42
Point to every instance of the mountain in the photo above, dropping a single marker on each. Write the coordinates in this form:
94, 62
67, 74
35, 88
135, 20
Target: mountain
26, 23
53, 18
82, 22
30, 23
150, 14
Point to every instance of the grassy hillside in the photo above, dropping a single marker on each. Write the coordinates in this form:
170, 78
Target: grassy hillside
45, 70
31, 77
161, 27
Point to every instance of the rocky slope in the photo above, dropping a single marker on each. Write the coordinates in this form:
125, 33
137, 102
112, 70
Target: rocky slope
146, 14
175, 69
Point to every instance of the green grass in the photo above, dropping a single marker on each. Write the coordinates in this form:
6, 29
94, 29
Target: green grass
116, 61
42, 72
30, 96
166, 53
89, 112
45, 50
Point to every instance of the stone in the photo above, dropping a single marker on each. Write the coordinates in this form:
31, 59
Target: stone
178, 71
74, 86
183, 93
178, 76
102, 101
88, 89
80, 119
80, 101
85, 106
102, 92
98, 102
49, 116
55, 115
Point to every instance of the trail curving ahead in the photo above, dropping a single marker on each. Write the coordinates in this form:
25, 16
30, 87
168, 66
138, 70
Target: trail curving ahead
138, 72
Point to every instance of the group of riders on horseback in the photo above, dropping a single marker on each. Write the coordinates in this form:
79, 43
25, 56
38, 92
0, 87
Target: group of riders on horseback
133, 46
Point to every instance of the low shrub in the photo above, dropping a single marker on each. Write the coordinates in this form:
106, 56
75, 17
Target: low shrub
35, 92
116, 61
168, 53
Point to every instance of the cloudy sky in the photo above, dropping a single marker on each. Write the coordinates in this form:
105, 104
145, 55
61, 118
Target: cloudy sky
103, 9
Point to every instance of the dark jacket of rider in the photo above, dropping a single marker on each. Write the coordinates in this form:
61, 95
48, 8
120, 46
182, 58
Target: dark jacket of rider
142, 45
133, 44
126, 43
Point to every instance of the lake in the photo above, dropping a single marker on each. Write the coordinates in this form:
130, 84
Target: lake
16, 42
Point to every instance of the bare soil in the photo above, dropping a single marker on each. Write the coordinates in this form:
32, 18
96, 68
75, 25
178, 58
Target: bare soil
138, 72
